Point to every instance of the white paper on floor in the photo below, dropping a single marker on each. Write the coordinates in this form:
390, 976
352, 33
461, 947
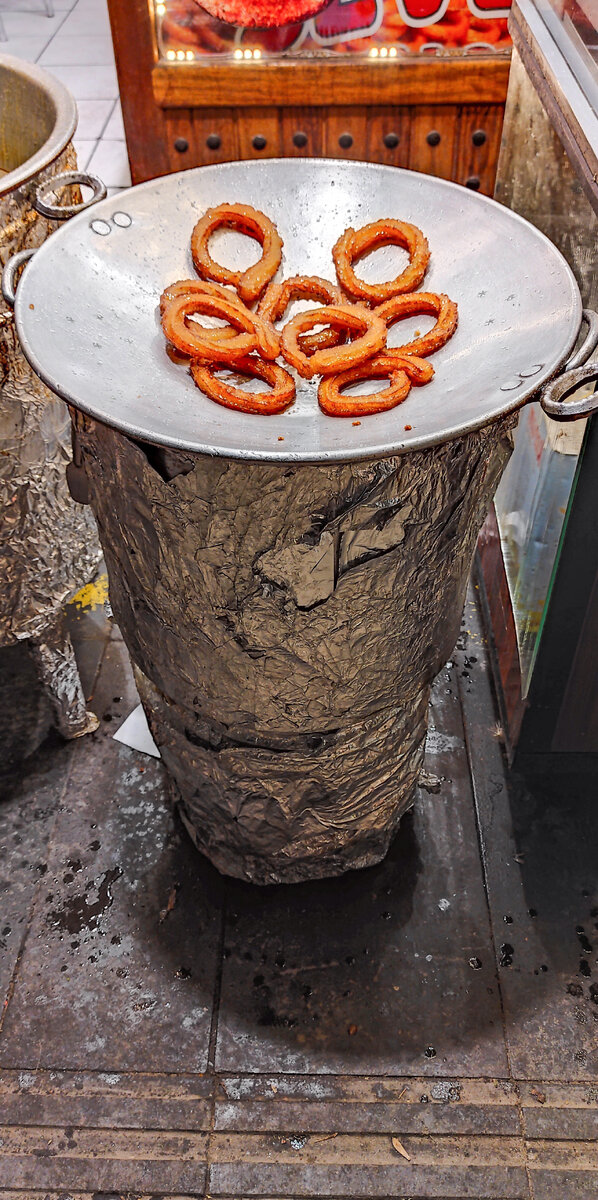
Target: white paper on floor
135, 732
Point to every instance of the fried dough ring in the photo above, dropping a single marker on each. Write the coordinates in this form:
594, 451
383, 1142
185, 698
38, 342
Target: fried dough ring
353, 244
250, 283
282, 384
437, 305
403, 371
195, 287
278, 296
199, 342
352, 318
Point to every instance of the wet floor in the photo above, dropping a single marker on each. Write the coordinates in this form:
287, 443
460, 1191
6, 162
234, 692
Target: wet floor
425, 1028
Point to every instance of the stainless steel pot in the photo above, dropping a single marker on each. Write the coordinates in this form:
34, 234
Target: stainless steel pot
48, 545
289, 586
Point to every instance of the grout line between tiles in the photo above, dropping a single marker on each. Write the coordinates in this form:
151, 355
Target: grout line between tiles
66, 14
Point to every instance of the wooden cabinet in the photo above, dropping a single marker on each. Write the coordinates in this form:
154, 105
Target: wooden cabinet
416, 112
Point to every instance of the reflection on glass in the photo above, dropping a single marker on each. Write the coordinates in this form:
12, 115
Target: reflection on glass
378, 29
574, 26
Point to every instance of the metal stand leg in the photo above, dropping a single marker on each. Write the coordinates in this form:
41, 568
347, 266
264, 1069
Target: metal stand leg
49, 8
55, 662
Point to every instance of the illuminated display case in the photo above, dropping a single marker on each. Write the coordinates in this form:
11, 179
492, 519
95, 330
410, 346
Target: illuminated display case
374, 28
415, 83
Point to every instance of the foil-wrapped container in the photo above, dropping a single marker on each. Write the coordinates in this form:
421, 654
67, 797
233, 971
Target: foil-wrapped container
48, 544
286, 622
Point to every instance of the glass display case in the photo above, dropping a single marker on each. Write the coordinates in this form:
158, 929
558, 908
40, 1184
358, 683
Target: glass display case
371, 28
409, 83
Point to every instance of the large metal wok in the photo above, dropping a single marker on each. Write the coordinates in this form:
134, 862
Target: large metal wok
288, 602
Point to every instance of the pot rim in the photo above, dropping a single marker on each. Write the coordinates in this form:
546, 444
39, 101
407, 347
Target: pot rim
65, 123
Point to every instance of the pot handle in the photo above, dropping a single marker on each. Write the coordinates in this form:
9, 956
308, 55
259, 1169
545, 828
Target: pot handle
576, 371
9, 275
44, 200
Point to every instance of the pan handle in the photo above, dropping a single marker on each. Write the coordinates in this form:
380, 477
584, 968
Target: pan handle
44, 200
577, 371
9, 275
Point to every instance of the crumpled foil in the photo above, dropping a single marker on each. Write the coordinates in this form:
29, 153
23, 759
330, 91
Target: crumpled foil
48, 544
286, 622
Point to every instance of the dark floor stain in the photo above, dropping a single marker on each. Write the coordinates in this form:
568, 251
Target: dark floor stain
79, 912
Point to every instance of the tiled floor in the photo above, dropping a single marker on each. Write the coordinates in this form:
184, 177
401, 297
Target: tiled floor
424, 1028
75, 45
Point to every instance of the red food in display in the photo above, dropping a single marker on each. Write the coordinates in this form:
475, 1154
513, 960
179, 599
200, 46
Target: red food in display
263, 14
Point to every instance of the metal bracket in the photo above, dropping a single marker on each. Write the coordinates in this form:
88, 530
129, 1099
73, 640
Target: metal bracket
576, 372
45, 198
9, 275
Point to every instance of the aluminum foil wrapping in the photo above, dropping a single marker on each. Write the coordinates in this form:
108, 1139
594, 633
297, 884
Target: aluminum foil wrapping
286, 622
48, 544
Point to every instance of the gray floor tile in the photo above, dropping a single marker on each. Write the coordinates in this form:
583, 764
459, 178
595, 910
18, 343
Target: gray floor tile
119, 967
86, 19
115, 129
84, 149
78, 51
88, 83
29, 798
371, 972
541, 850
93, 116
30, 21
29, 49
111, 163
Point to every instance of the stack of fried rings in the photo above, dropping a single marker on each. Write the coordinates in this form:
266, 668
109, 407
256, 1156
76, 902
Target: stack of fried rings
249, 343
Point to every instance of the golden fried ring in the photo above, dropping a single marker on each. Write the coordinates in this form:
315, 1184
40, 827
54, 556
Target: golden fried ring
268, 338
223, 392
250, 283
278, 296
195, 287
371, 338
439, 306
353, 244
199, 342
403, 371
